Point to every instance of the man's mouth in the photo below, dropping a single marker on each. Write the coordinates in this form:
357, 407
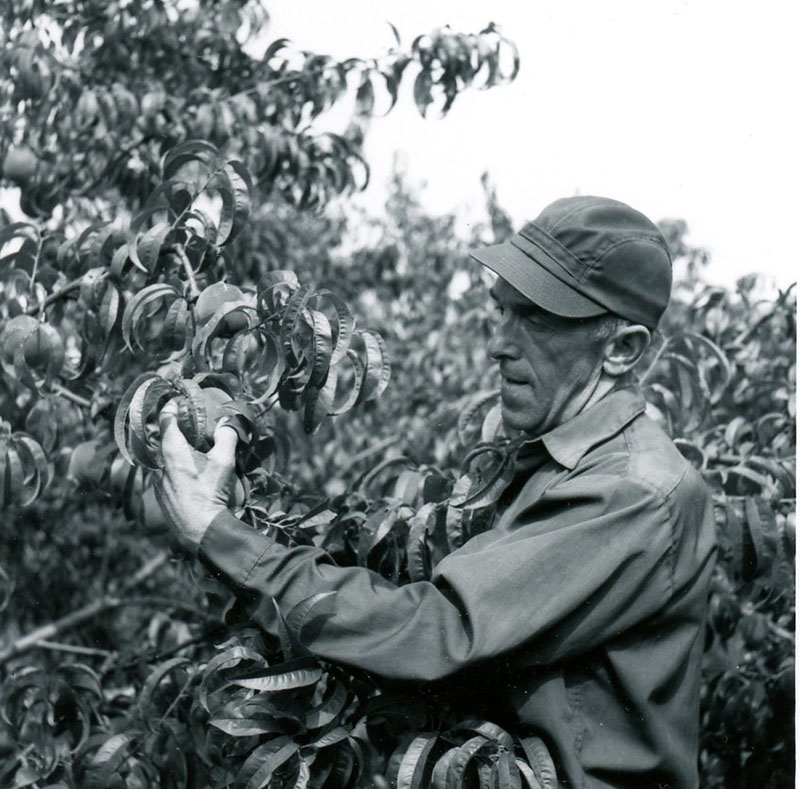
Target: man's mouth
508, 379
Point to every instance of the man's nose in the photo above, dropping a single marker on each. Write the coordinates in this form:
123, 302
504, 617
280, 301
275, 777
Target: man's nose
500, 345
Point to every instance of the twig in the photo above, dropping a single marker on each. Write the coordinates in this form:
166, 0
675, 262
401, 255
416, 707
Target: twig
72, 397
146, 570
73, 648
35, 309
173, 704
655, 361
369, 452
194, 291
749, 332
86, 613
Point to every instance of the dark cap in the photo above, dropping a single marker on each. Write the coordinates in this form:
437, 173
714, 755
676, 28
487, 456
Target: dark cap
585, 256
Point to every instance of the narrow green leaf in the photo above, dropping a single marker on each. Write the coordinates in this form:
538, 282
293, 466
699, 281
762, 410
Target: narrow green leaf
105, 761
540, 760
278, 678
235, 188
154, 679
148, 246
263, 761
330, 708
417, 763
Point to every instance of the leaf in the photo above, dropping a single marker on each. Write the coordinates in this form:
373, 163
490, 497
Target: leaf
763, 532
235, 187
527, 773
365, 95
189, 151
37, 472
541, 761
247, 727
346, 396
332, 737
121, 415
176, 325
415, 768
492, 427
154, 679
330, 708
321, 354
144, 405
193, 416
109, 310
422, 91
395, 33
485, 729
135, 310
489, 492
735, 532
442, 768
467, 418
291, 315
148, 247
275, 47
105, 761
6, 587
321, 604
227, 659
376, 369
282, 677
417, 555
12, 475
456, 771
723, 361
263, 761
215, 324
734, 430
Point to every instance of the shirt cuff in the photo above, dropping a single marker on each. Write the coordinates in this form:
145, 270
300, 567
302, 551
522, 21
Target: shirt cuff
233, 548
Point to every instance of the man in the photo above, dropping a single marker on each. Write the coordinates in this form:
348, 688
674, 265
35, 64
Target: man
585, 601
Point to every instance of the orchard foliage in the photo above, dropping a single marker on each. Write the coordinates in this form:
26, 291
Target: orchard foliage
100, 90
167, 155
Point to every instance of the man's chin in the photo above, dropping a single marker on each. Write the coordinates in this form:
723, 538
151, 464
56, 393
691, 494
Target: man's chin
513, 423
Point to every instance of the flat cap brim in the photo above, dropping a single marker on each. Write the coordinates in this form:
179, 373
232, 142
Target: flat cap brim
535, 282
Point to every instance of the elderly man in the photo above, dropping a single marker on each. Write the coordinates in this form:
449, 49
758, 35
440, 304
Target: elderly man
585, 601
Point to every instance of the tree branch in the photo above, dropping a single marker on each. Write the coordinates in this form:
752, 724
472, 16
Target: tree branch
72, 397
35, 309
88, 612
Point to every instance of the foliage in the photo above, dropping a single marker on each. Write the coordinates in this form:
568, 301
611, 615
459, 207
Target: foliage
172, 254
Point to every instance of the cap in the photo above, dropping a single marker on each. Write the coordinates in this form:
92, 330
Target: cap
585, 256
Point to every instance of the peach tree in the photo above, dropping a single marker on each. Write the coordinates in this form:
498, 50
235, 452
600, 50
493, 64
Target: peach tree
172, 169
144, 139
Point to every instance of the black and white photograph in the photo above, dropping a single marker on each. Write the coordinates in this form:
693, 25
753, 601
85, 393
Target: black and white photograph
398, 395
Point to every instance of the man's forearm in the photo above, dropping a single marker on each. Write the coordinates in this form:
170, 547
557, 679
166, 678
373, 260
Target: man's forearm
409, 632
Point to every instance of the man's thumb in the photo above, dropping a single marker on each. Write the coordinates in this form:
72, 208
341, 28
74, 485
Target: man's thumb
224, 449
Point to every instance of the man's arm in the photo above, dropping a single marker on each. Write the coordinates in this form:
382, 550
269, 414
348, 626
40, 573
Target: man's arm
583, 563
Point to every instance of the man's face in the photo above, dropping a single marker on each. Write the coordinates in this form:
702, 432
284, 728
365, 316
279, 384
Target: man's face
549, 365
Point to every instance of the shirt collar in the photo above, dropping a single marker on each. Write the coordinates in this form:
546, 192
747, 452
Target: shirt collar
569, 442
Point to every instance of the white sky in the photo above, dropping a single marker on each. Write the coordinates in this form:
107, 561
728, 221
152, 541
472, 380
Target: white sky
683, 108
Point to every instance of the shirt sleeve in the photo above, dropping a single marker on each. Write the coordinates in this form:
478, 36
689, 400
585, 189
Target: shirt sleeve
584, 562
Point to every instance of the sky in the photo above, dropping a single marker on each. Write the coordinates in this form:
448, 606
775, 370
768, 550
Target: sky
681, 108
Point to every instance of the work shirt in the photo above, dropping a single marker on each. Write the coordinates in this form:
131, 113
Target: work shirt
584, 603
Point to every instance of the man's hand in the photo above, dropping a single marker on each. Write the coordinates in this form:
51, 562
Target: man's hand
195, 487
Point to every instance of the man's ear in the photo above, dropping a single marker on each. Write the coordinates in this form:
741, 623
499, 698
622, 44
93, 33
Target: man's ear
625, 349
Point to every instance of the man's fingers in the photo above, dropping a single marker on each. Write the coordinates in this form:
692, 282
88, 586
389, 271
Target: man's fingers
224, 449
174, 445
168, 413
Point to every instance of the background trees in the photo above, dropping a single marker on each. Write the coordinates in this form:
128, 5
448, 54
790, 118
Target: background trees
157, 159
